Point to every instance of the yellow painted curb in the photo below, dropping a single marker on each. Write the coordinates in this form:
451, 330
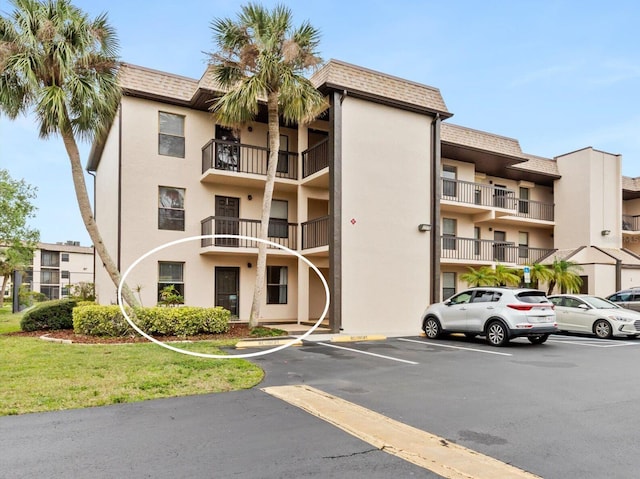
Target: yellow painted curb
257, 343
447, 459
351, 339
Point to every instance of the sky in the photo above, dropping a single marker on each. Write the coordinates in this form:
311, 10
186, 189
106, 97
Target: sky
555, 75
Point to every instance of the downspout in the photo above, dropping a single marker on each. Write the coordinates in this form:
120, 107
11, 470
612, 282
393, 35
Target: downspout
434, 294
95, 211
119, 185
618, 274
335, 210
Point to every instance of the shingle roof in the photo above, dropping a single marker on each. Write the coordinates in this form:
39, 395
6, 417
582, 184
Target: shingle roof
338, 74
631, 184
138, 79
480, 140
538, 164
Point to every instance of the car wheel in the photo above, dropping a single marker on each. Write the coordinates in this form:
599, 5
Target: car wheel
602, 329
538, 339
497, 334
432, 328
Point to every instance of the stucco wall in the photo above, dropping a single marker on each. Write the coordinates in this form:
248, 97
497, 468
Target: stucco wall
385, 196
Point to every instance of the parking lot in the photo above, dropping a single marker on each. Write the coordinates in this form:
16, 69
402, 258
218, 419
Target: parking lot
562, 409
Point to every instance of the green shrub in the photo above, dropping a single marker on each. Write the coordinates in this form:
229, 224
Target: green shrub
156, 321
96, 320
56, 314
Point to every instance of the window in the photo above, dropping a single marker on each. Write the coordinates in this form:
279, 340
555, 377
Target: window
51, 292
523, 204
49, 258
64, 257
283, 155
449, 227
171, 136
449, 185
49, 276
448, 285
277, 278
64, 274
278, 222
171, 273
523, 244
171, 208
66, 291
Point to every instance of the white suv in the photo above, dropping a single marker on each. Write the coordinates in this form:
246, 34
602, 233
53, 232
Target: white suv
497, 313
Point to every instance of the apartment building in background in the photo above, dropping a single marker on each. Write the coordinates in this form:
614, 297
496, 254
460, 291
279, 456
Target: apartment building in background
58, 266
382, 193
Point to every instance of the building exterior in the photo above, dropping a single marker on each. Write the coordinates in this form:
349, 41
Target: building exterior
386, 197
57, 267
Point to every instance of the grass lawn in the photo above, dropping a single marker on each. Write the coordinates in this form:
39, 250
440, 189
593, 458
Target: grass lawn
42, 376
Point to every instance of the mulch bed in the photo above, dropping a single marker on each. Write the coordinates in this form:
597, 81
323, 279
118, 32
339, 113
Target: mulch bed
236, 331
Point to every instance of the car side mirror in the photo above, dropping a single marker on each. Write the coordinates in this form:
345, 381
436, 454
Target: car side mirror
448, 302
583, 306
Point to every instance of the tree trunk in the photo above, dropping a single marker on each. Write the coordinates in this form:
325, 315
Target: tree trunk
87, 216
5, 280
552, 284
261, 267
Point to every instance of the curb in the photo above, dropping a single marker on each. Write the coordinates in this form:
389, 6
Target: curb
55, 340
253, 343
353, 339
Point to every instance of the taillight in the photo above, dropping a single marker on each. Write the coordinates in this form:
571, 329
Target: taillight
529, 307
520, 307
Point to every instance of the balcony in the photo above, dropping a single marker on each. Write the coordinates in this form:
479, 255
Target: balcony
315, 233
280, 232
315, 164
469, 197
478, 251
245, 165
491, 203
631, 224
536, 210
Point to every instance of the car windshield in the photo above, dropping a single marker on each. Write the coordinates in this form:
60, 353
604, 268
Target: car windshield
599, 303
532, 297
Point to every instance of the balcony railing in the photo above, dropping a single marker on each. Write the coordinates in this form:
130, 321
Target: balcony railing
280, 232
631, 223
231, 156
480, 194
453, 247
477, 194
315, 233
535, 209
315, 158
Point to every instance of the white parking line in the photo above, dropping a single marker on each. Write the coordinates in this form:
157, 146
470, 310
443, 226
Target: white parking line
454, 347
368, 353
594, 343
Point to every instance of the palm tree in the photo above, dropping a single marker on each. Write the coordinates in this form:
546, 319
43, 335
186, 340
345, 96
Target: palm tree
564, 274
505, 276
57, 61
483, 276
261, 56
539, 273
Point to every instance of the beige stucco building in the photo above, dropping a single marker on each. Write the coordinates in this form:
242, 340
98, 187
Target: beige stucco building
387, 198
59, 266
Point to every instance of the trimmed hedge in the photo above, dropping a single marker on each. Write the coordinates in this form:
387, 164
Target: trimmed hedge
157, 321
56, 314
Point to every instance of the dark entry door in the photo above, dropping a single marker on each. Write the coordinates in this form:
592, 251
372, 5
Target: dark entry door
227, 288
500, 245
227, 219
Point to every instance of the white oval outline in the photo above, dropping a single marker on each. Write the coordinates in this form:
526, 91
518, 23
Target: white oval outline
218, 356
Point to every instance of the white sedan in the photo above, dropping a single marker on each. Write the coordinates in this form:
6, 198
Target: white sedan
583, 313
